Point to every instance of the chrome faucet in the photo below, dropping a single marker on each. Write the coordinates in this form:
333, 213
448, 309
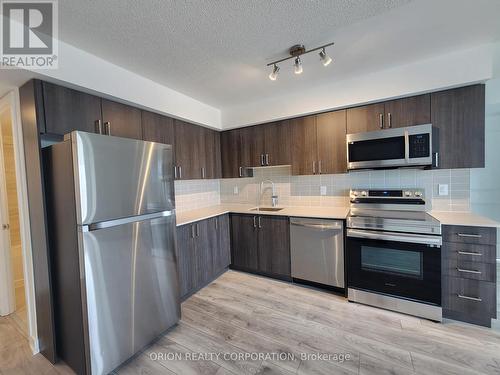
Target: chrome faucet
274, 196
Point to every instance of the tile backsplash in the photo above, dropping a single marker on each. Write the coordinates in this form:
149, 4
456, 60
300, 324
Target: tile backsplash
193, 194
306, 190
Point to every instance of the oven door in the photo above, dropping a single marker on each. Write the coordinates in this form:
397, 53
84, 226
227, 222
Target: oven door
396, 264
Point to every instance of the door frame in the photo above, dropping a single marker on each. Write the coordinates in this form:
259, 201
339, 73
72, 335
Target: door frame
7, 297
11, 101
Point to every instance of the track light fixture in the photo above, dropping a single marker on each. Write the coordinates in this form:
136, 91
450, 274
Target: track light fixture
274, 74
295, 52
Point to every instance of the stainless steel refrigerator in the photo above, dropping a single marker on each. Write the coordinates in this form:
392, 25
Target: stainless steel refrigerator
111, 225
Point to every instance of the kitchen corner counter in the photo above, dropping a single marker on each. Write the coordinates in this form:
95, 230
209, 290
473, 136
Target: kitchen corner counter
186, 217
463, 218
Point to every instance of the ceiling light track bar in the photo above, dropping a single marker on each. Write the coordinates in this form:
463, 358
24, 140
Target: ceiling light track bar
300, 53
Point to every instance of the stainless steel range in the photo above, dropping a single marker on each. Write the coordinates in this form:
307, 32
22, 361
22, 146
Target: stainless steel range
393, 252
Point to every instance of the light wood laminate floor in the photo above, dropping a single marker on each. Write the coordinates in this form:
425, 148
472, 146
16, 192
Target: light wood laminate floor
240, 315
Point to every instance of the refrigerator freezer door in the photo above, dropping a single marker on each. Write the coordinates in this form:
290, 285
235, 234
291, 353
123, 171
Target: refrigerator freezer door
118, 177
131, 288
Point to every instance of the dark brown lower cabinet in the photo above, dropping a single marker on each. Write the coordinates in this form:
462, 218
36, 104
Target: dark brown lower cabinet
274, 245
222, 251
469, 274
244, 242
202, 253
261, 244
186, 259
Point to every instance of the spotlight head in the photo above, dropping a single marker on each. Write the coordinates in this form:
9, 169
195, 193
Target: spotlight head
298, 65
274, 74
325, 59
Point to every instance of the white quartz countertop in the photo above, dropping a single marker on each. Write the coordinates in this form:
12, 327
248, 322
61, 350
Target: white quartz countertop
339, 213
463, 218
186, 217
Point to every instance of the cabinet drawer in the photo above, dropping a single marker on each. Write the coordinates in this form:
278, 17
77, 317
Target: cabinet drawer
469, 252
472, 235
469, 299
469, 270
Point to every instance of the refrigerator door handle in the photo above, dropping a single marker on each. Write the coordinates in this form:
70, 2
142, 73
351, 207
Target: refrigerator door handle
125, 220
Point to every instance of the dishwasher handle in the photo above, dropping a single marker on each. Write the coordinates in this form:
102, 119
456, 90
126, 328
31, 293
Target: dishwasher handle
318, 226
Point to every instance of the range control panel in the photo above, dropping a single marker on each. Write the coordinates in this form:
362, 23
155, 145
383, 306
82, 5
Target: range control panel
383, 194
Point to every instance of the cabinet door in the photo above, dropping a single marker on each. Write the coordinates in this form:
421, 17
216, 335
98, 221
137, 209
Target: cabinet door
67, 110
244, 250
415, 110
186, 257
277, 143
252, 146
366, 118
158, 128
274, 245
459, 116
230, 153
189, 145
303, 145
222, 252
206, 242
122, 120
331, 138
211, 154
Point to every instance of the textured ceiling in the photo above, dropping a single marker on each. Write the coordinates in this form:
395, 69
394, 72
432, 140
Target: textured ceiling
216, 50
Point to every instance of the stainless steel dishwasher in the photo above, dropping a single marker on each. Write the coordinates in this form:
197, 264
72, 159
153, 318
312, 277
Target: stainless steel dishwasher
317, 250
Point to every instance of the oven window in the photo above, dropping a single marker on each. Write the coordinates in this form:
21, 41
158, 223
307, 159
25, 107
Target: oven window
393, 261
377, 149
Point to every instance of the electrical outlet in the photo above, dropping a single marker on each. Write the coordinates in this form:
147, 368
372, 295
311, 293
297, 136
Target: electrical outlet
236, 190
443, 189
322, 190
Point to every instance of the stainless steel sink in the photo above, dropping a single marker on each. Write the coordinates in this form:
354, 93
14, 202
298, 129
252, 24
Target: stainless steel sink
267, 209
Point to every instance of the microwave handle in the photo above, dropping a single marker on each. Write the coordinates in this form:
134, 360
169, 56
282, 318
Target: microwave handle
435, 159
407, 146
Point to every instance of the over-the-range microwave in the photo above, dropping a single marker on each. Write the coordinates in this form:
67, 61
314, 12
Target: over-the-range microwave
412, 146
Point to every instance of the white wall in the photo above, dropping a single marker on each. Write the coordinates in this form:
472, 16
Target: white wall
444, 71
90, 73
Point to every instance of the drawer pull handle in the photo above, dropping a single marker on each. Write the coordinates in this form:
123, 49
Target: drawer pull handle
469, 253
477, 299
469, 235
469, 271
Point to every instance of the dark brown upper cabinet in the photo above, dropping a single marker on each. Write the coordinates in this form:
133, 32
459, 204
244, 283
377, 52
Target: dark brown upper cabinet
277, 141
415, 110
331, 142
197, 152
121, 120
67, 110
365, 119
252, 146
231, 154
319, 144
189, 150
303, 145
212, 159
459, 116
158, 128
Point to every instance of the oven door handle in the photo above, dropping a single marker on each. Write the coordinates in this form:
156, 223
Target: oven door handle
397, 237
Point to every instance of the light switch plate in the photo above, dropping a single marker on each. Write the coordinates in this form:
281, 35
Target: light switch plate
322, 190
443, 189
235, 190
